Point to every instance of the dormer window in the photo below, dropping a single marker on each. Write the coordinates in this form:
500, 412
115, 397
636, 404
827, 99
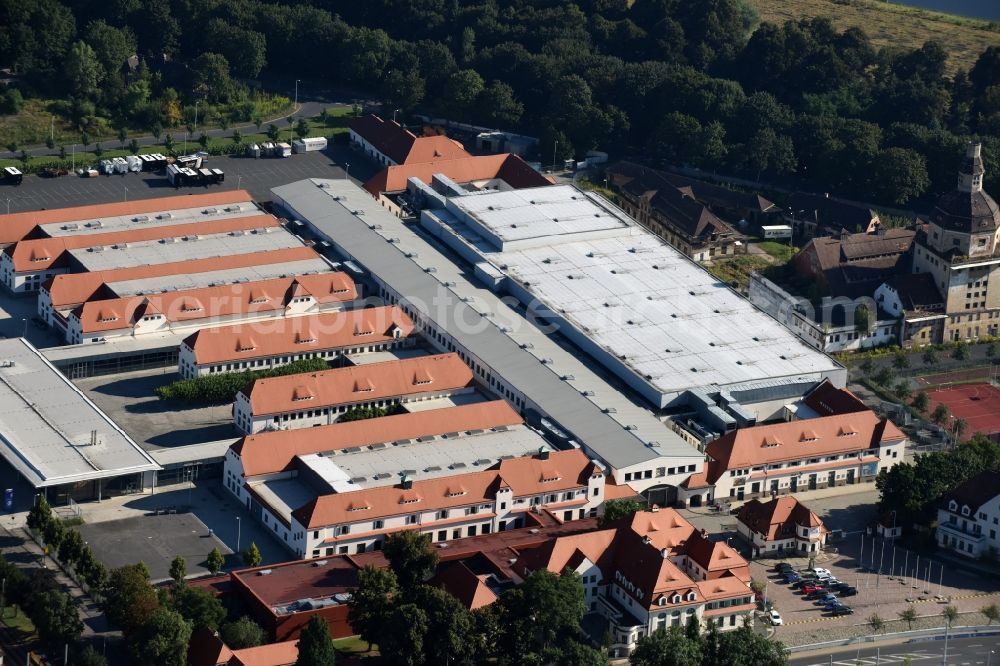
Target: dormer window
676, 599
953, 506
691, 595
965, 511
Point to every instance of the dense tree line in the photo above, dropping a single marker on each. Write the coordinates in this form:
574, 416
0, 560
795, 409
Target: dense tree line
223, 387
700, 83
914, 489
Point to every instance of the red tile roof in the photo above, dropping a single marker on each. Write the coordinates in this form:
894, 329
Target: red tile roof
275, 654
308, 333
41, 253
360, 383
826, 400
16, 226
507, 167
272, 452
461, 583
75, 288
778, 517
403, 146
795, 440
560, 471
227, 300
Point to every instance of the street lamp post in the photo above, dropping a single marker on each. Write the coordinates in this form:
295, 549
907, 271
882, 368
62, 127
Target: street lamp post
239, 181
126, 193
74, 157
24, 333
394, 112
239, 527
295, 107
8, 206
196, 115
347, 170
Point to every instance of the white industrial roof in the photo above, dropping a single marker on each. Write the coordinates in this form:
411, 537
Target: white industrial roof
426, 457
570, 391
50, 431
209, 278
545, 212
90, 226
126, 255
664, 316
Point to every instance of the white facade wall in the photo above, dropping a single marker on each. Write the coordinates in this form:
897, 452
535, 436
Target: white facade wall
369, 150
971, 532
25, 281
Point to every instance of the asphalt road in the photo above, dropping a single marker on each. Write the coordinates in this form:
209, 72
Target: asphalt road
983, 650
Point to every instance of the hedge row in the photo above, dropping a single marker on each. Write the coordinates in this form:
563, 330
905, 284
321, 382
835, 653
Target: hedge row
223, 387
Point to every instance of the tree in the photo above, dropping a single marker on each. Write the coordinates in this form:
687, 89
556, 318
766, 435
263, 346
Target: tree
991, 613
243, 633
461, 91
669, 647
200, 607
83, 71
252, 556
273, 132
405, 644
902, 389
40, 515
302, 128
215, 561
129, 599
237, 137
371, 602
403, 90
615, 510
90, 657
867, 367
542, 612
54, 534
959, 427
991, 349
901, 361
168, 142
908, 616
111, 46
178, 570
71, 548
940, 414
862, 319
960, 353
921, 401
744, 646
98, 149
211, 75
449, 626
56, 618
875, 623
162, 639
499, 105
133, 146
410, 557
315, 644
122, 135
203, 140
576, 653
930, 357
950, 614
899, 175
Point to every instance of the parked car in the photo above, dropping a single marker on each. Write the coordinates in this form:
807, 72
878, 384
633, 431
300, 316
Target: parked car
848, 591
818, 594
832, 605
820, 572
809, 588
775, 618
825, 599
781, 567
842, 610
792, 578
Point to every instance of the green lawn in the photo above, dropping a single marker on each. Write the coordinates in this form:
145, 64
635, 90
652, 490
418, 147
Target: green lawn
782, 252
353, 645
14, 618
736, 271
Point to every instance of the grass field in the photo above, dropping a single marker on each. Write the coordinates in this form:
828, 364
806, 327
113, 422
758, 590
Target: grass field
893, 25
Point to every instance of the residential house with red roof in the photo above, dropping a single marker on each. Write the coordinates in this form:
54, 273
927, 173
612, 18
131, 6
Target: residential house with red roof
309, 399
840, 443
389, 143
328, 335
177, 311
781, 525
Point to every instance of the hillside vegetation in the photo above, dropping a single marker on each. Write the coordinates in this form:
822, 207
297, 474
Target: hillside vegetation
893, 25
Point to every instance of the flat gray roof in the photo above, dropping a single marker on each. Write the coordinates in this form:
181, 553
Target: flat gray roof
145, 253
169, 217
50, 431
561, 386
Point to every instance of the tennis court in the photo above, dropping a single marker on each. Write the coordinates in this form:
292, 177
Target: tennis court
977, 404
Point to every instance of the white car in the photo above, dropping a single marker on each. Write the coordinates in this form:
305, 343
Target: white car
775, 618
821, 573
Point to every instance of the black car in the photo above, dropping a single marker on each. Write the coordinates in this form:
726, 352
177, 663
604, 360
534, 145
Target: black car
842, 610
782, 567
848, 591
817, 595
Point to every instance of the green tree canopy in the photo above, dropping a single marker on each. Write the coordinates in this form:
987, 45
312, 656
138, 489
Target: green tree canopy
129, 599
162, 639
252, 556
615, 510
200, 607
83, 71
371, 602
315, 644
670, 647
410, 557
242, 633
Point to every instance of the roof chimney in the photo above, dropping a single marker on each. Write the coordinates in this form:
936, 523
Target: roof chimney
406, 483
543, 453
974, 150
664, 553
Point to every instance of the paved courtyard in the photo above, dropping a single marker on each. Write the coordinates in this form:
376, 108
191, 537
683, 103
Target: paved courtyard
129, 400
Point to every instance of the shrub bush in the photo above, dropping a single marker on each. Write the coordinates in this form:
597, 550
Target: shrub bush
223, 387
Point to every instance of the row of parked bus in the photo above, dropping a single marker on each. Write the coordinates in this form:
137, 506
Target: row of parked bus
180, 176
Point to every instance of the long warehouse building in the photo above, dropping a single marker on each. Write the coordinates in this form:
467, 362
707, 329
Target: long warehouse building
556, 391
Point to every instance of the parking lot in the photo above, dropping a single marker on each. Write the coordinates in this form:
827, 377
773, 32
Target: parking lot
129, 400
256, 175
906, 580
